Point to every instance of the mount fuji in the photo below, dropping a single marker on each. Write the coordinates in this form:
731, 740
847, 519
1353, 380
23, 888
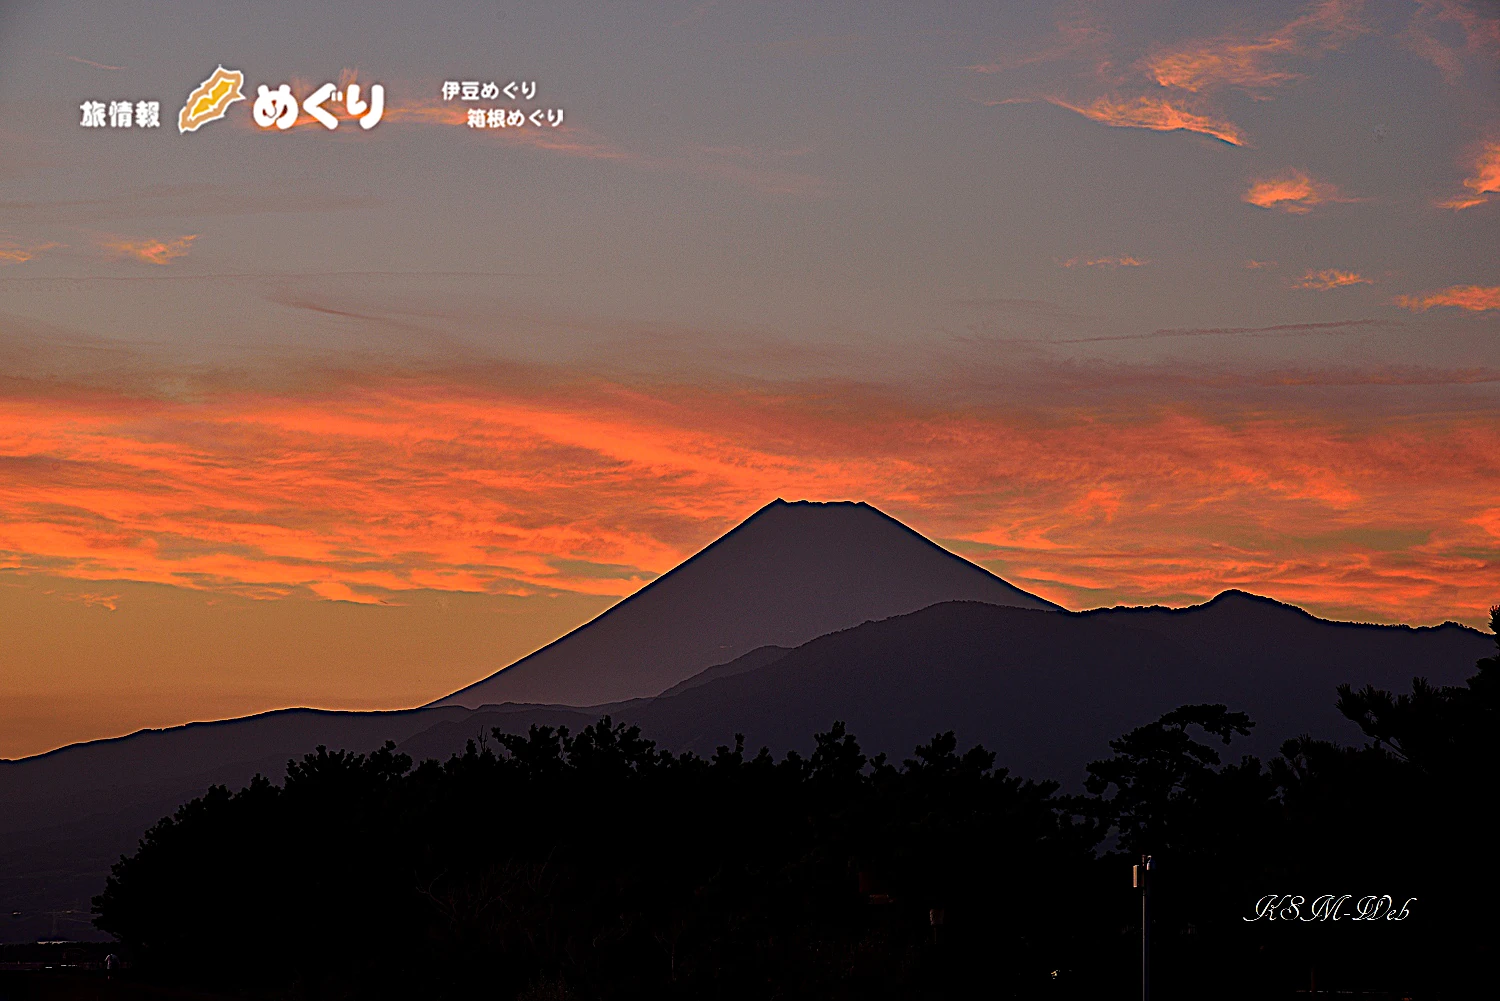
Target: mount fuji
789, 573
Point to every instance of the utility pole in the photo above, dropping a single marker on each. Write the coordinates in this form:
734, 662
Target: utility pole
1140, 878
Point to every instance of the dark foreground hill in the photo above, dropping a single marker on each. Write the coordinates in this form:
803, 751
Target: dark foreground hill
68, 814
1045, 690
593, 865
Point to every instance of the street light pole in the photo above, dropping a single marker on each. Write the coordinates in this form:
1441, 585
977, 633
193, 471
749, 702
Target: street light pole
1140, 878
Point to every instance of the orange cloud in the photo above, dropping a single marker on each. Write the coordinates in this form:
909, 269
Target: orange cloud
1227, 62
1430, 18
1105, 262
1073, 38
89, 62
1484, 182
92, 600
1152, 113
337, 591
1331, 278
1461, 202
1294, 191
1251, 63
520, 482
1475, 298
1486, 179
1172, 83
11, 253
150, 251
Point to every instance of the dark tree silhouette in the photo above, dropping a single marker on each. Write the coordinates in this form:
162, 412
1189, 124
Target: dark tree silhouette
1161, 775
595, 865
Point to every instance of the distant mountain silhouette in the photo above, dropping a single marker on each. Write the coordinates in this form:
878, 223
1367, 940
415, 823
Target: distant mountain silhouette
787, 574
1046, 691
753, 661
98, 777
67, 815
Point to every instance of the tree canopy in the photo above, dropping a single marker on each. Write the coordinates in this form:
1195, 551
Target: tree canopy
595, 864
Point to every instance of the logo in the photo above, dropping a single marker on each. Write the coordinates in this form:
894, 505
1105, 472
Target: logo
211, 99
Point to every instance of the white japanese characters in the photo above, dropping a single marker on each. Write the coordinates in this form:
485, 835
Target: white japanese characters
500, 118
274, 107
121, 114
471, 90
279, 107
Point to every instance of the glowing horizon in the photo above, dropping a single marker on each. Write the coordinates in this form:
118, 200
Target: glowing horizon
1127, 306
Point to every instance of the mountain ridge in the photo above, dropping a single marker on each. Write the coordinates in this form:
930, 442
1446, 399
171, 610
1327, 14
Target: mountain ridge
1045, 692
790, 572
1234, 593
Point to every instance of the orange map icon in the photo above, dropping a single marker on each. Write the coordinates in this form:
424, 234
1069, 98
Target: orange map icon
211, 99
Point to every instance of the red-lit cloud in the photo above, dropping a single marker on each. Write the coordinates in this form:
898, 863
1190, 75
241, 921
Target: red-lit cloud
1330, 278
1230, 63
89, 62
1475, 298
15, 253
91, 600
1155, 113
358, 487
1483, 182
1256, 63
1073, 38
1293, 191
150, 251
1429, 34
1105, 262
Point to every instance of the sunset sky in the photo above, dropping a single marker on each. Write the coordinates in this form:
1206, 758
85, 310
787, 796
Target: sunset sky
1129, 303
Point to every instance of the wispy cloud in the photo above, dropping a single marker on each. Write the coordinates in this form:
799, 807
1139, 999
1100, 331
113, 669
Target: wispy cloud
1255, 265
1277, 330
1104, 262
1072, 38
89, 62
1174, 85
1170, 87
333, 590
194, 199
1226, 63
1475, 298
1293, 191
91, 600
1256, 63
1330, 278
1462, 202
1483, 182
151, 251
1426, 34
1154, 113
15, 253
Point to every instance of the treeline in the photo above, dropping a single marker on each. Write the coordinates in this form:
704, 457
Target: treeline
596, 865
